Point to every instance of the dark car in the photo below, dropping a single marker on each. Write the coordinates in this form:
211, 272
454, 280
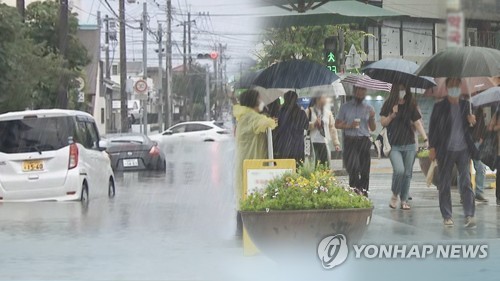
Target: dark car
134, 152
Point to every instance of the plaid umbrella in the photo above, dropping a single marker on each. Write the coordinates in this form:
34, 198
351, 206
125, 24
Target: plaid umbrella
364, 81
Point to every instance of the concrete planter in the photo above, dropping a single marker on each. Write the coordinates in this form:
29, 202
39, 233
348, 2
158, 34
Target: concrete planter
297, 233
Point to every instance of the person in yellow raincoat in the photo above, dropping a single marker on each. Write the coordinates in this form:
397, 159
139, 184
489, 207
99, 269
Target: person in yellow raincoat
251, 139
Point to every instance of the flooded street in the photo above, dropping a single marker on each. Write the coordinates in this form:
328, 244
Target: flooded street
180, 226
156, 226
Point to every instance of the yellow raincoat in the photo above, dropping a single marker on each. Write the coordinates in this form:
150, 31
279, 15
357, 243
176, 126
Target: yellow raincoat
251, 139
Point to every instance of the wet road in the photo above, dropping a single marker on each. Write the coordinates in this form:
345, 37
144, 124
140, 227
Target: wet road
158, 226
179, 225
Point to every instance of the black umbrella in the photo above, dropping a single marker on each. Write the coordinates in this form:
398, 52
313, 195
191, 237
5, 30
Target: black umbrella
246, 80
295, 74
462, 62
398, 71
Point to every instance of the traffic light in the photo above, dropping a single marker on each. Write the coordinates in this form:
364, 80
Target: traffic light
211, 56
331, 51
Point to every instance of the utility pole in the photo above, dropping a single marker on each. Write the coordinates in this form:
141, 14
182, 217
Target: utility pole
145, 66
190, 59
123, 70
168, 55
20, 8
160, 74
108, 94
62, 95
184, 54
207, 93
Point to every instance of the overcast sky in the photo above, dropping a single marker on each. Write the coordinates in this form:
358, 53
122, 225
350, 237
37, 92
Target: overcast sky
225, 25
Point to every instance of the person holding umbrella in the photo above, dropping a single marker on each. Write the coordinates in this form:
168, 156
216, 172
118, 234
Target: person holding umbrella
400, 115
322, 129
251, 140
289, 137
451, 143
357, 119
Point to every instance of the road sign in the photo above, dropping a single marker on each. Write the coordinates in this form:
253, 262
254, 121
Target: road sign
455, 29
81, 97
353, 59
141, 88
81, 83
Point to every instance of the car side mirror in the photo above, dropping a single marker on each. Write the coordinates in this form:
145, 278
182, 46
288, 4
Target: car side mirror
103, 145
168, 132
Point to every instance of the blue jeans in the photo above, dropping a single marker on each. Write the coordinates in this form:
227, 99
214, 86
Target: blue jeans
402, 160
480, 174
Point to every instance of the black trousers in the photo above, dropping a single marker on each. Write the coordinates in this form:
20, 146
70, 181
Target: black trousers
321, 153
357, 162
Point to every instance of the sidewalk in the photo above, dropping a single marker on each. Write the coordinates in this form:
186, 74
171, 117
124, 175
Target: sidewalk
423, 222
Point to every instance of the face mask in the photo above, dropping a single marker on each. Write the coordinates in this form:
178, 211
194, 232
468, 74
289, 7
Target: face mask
261, 106
402, 94
454, 92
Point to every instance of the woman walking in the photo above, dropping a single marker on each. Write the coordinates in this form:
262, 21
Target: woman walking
289, 139
322, 130
399, 113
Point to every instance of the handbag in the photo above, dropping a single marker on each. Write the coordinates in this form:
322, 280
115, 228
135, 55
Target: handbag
488, 150
386, 145
308, 147
431, 172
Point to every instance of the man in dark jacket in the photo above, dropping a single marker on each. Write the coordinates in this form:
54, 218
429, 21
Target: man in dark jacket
451, 142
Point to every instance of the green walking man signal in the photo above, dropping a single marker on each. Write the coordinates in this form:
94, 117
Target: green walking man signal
331, 62
331, 50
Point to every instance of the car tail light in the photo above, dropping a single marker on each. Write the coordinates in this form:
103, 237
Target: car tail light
154, 151
73, 156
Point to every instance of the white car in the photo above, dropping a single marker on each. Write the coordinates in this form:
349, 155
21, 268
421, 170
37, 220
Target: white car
53, 155
197, 131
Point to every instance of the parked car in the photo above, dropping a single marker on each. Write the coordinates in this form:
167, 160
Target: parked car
134, 152
52, 155
197, 131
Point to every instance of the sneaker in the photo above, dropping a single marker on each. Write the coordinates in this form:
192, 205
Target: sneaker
448, 222
470, 222
480, 198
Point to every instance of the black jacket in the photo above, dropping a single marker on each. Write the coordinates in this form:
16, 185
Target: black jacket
440, 128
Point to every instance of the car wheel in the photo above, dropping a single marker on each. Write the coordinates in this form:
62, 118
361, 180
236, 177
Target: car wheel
161, 165
84, 197
111, 188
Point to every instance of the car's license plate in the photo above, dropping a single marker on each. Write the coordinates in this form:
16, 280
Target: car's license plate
130, 163
32, 165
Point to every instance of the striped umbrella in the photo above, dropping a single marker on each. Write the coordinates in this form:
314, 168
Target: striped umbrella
364, 81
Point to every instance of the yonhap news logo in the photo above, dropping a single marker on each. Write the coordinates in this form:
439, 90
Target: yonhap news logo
333, 250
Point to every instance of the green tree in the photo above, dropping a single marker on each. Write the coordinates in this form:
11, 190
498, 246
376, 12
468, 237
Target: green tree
191, 87
42, 20
23, 64
283, 44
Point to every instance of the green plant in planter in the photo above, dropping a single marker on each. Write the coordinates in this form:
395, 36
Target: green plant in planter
424, 153
305, 190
